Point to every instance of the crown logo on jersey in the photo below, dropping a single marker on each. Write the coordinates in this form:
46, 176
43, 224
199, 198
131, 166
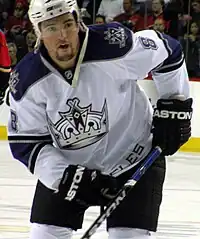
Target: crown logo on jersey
116, 35
13, 81
79, 126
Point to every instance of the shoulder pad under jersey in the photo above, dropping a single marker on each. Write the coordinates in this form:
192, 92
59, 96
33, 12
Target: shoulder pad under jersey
27, 72
107, 42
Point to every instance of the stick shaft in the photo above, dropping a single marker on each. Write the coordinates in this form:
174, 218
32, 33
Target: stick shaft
153, 155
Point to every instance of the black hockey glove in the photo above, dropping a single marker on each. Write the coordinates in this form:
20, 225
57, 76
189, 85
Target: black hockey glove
172, 124
87, 187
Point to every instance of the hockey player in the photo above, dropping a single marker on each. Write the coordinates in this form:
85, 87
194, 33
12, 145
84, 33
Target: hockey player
5, 68
82, 125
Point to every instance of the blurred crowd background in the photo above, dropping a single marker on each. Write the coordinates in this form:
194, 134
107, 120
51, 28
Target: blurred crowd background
178, 18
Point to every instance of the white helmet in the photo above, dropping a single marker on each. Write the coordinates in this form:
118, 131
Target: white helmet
42, 10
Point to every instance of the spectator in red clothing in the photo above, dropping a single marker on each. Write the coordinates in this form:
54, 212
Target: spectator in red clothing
128, 12
157, 13
159, 25
129, 18
16, 23
4, 66
23, 2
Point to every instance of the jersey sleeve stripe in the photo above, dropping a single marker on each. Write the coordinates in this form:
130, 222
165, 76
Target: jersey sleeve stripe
170, 67
22, 151
27, 153
33, 156
29, 138
175, 57
26, 148
165, 42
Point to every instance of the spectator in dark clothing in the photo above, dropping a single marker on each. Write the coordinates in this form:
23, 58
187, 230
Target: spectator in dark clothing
3, 17
80, 3
30, 40
191, 48
175, 13
90, 8
196, 11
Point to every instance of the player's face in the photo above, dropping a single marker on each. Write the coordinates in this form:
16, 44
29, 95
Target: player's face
60, 37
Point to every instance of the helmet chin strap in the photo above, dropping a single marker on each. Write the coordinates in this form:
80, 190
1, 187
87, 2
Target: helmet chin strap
37, 44
81, 56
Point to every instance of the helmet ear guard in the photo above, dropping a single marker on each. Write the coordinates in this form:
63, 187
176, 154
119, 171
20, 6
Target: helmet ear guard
42, 10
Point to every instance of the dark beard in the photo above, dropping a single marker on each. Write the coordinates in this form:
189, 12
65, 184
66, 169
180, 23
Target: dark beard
64, 58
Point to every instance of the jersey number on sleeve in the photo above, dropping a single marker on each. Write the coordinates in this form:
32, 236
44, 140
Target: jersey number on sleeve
148, 43
13, 120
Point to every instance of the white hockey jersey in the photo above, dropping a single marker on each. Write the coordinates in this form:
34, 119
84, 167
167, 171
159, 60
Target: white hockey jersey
105, 121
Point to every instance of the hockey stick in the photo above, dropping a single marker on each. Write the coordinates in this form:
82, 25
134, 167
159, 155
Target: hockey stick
153, 155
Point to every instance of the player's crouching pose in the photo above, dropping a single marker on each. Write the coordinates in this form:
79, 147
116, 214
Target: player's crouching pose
80, 122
